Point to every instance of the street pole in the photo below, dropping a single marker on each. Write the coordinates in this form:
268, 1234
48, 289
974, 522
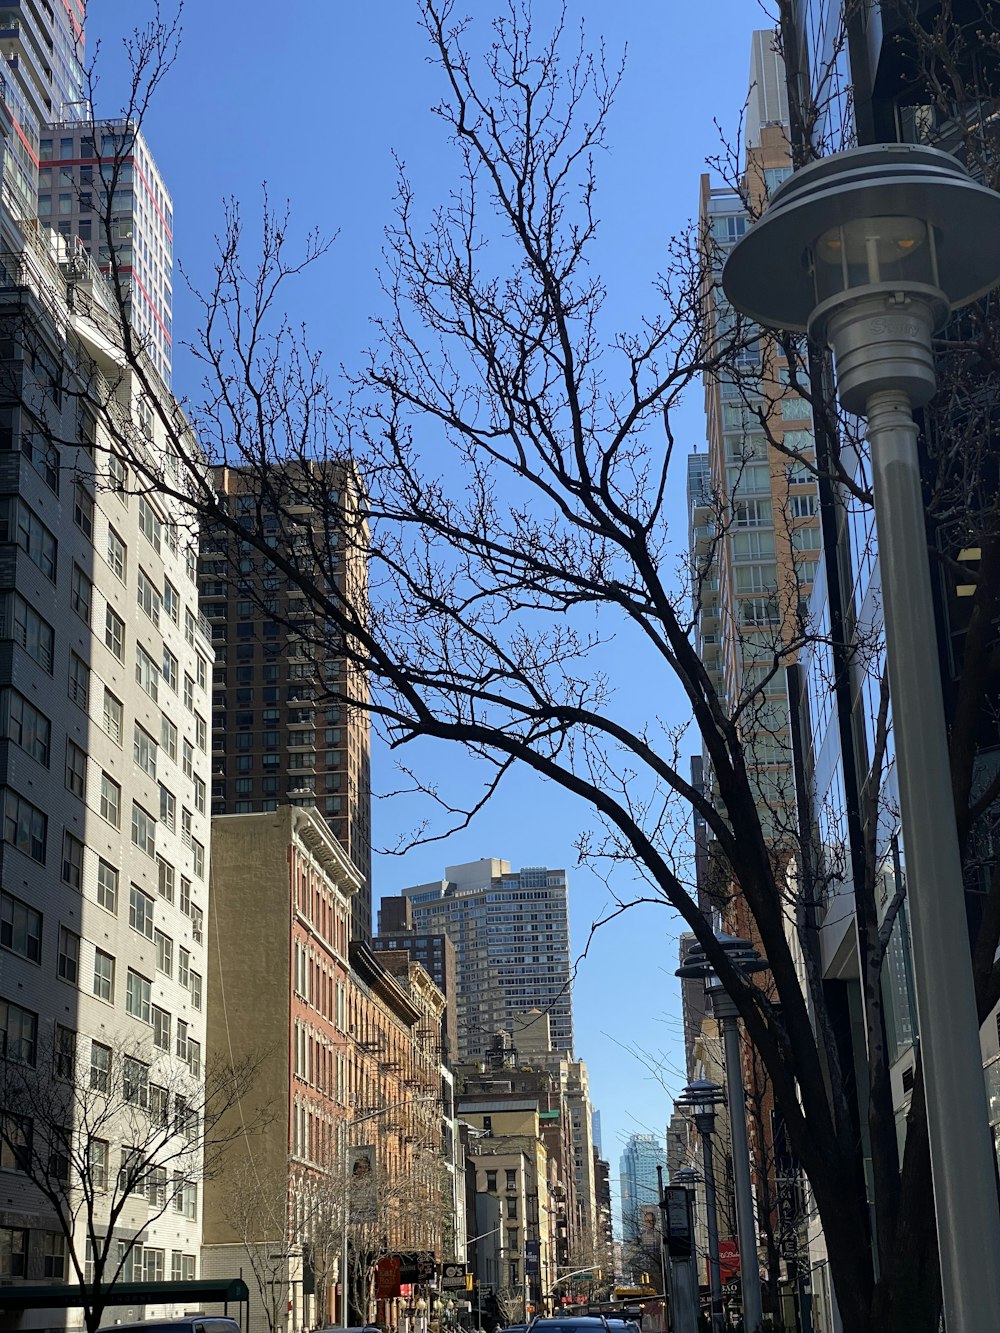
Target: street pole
712, 1222
725, 1012
684, 1271
869, 251
664, 1256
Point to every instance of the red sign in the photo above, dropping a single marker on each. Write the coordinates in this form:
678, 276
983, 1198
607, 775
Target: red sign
406, 1288
729, 1259
387, 1285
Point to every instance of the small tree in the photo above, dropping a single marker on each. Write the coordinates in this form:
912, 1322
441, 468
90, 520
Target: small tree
110, 1139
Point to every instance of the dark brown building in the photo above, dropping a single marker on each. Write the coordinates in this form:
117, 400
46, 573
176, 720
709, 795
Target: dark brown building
281, 734
435, 951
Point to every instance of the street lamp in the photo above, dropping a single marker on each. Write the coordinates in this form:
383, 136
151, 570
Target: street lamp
868, 251
746, 960
701, 1098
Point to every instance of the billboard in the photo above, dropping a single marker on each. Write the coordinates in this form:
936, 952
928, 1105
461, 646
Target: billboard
363, 1199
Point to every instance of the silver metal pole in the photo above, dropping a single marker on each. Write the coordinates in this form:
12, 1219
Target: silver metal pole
963, 1167
684, 1288
712, 1224
746, 1227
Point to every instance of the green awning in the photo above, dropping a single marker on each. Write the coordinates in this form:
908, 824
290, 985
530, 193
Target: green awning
67, 1295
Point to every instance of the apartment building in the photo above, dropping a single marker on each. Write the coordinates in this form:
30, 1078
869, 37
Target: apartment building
282, 730
94, 172
510, 930
43, 80
435, 951
350, 1056
105, 669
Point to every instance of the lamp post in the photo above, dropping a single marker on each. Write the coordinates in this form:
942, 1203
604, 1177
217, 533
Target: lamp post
746, 960
891, 238
684, 1271
701, 1097
348, 1126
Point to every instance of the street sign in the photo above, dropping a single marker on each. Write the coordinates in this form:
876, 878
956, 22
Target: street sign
677, 1213
453, 1277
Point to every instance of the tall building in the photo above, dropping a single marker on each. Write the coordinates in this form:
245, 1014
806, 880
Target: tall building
510, 930
435, 952
43, 81
105, 670
638, 1180
85, 166
279, 735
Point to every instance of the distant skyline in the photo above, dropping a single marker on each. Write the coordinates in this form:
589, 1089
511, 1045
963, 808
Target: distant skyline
313, 99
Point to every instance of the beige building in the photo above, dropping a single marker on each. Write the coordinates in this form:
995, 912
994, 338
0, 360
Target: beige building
350, 1068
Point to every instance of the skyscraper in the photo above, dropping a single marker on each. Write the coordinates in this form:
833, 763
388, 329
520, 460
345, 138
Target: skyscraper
278, 735
92, 169
510, 930
43, 82
643, 1154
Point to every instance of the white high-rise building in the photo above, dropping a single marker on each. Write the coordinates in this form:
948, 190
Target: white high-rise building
105, 671
510, 930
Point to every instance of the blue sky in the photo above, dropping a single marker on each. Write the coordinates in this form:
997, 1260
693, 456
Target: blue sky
312, 96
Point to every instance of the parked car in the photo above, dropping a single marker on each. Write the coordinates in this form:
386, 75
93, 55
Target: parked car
516, 1328
195, 1323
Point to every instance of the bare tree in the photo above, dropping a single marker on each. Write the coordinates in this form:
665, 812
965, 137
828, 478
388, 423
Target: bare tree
501, 469
110, 1137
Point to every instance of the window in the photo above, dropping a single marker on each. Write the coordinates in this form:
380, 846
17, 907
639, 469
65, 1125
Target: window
200, 733
72, 861
171, 601
164, 953
135, 1081
187, 752
114, 633
511, 1179
117, 553
20, 928
53, 1255
19, 524
24, 827
13, 1252
149, 523
148, 597
161, 1028
137, 995
185, 896
76, 769
491, 1182
100, 1067
182, 1267
79, 681
190, 624
147, 674
199, 795
104, 976
198, 854
69, 955
144, 750
194, 1057
169, 668
117, 476
27, 727
512, 1206
111, 800
180, 1050
197, 922
803, 506
195, 989
168, 809
184, 967
143, 829
140, 912
202, 669
107, 885
97, 1150
165, 879
25, 626
83, 511
18, 1033
168, 738
188, 692
112, 716
81, 594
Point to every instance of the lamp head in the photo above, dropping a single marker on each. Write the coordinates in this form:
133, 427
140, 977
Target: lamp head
891, 218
